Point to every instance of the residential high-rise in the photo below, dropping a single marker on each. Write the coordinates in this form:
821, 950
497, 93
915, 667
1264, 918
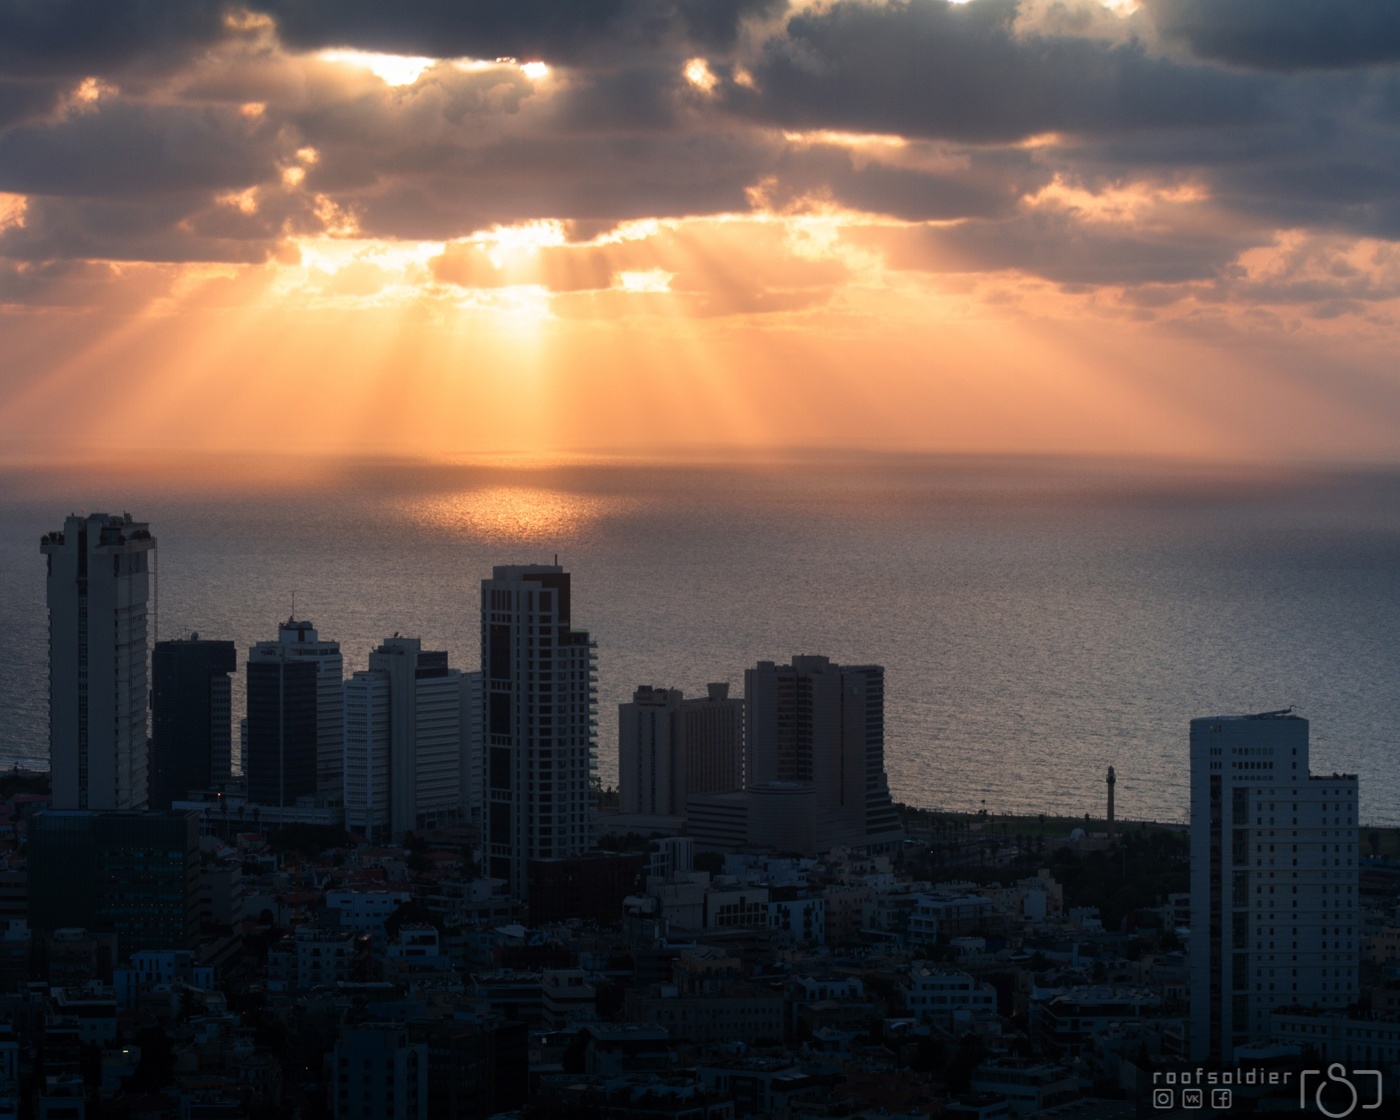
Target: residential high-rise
403, 740
191, 730
540, 720
1275, 917
670, 747
300, 639
98, 587
280, 763
820, 724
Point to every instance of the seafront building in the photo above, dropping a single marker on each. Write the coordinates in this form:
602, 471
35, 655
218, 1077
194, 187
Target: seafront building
404, 730
98, 579
814, 764
191, 730
670, 747
1275, 912
540, 720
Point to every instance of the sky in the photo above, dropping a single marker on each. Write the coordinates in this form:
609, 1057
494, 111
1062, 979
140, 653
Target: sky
440, 227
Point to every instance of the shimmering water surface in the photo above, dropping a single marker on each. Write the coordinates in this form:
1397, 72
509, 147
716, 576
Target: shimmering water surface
1038, 621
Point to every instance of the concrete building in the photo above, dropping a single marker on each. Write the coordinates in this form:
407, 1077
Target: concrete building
942, 995
98, 587
1274, 905
403, 740
670, 747
191, 717
540, 721
283, 704
135, 875
814, 723
299, 639
473, 764
379, 1074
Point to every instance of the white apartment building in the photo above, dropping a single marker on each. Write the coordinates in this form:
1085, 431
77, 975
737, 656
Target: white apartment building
541, 721
941, 994
98, 587
1275, 914
403, 740
670, 747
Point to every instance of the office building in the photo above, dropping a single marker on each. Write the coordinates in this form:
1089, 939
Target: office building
191, 714
98, 589
299, 638
403, 740
280, 759
670, 747
540, 721
380, 1074
1274, 904
817, 724
132, 875
473, 796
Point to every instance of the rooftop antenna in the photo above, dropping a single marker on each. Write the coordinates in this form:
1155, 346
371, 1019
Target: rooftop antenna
294, 603
556, 559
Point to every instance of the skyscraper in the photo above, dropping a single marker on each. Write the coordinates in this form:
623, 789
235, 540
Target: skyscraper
98, 586
191, 736
540, 720
300, 639
670, 747
1275, 918
473, 749
280, 762
821, 724
403, 740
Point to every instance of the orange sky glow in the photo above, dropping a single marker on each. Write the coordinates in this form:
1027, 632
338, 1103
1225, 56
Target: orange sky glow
1029, 290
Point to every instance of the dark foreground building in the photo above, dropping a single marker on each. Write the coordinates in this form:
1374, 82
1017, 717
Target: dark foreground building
592, 886
191, 743
131, 875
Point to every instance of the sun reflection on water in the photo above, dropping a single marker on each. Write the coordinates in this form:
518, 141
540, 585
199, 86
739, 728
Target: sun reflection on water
515, 513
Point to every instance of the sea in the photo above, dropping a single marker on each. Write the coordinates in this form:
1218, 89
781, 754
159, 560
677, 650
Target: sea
1039, 620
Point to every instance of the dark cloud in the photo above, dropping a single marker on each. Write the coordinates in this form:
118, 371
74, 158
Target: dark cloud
1059, 246
929, 68
121, 148
168, 229
551, 30
77, 37
905, 184
24, 100
1284, 34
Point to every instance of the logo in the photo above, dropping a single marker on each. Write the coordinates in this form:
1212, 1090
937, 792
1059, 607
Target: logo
1163, 1098
1193, 1098
1337, 1096
1221, 1098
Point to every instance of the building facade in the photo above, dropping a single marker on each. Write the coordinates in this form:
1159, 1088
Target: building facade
135, 875
191, 714
540, 719
403, 740
670, 747
1275, 911
813, 765
300, 639
98, 590
280, 759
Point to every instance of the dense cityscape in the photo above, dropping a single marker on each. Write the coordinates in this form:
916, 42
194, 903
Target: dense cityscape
403, 893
